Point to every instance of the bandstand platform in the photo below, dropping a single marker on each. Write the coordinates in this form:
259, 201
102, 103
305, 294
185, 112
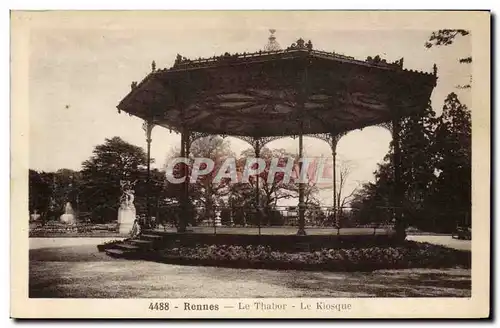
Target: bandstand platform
278, 238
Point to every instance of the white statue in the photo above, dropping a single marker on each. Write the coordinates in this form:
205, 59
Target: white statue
128, 199
35, 216
126, 212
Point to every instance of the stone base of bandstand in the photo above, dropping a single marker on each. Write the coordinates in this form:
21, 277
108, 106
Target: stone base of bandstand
126, 219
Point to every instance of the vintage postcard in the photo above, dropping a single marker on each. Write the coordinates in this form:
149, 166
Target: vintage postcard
250, 164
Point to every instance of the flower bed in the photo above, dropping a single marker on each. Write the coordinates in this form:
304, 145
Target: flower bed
408, 255
58, 229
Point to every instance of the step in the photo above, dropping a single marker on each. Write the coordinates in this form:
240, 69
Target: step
150, 236
141, 241
115, 252
127, 246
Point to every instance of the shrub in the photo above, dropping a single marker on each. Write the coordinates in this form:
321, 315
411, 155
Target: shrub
225, 216
276, 218
238, 216
409, 255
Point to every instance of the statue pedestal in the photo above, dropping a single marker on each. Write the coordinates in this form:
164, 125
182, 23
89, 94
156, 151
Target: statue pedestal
126, 217
68, 219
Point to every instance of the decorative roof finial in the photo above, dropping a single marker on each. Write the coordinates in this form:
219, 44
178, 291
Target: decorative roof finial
399, 62
153, 66
178, 59
300, 43
309, 45
272, 44
434, 69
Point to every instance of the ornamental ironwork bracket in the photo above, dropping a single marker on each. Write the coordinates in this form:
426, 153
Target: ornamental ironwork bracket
331, 138
386, 125
193, 136
262, 141
148, 126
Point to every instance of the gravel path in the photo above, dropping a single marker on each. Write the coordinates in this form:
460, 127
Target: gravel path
444, 240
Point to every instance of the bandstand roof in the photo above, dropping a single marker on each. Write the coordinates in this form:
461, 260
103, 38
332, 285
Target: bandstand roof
277, 93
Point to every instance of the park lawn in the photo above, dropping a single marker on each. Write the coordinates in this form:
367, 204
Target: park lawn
81, 272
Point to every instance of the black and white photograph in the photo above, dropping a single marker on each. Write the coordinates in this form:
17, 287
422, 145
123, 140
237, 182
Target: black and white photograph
274, 157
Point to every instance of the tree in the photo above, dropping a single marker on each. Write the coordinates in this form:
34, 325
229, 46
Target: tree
39, 192
278, 188
445, 38
111, 162
241, 202
94, 192
417, 162
373, 202
311, 188
243, 194
435, 172
377, 200
156, 189
205, 192
274, 189
416, 167
65, 189
344, 171
50, 191
451, 192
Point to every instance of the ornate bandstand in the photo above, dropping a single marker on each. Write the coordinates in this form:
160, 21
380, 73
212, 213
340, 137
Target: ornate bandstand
266, 95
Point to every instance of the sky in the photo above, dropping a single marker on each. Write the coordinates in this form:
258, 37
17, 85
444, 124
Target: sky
77, 77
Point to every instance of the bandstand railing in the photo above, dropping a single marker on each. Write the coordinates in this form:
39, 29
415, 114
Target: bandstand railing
273, 220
